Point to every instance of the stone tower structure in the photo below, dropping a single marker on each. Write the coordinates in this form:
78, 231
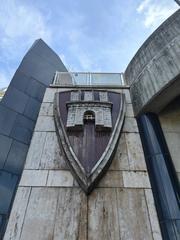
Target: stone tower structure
137, 195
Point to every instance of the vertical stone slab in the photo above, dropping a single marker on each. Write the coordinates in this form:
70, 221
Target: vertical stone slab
52, 156
133, 215
35, 150
135, 152
16, 220
153, 215
103, 220
120, 160
40, 216
71, 215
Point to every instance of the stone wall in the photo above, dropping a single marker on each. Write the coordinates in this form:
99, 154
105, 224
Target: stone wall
170, 122
49, 204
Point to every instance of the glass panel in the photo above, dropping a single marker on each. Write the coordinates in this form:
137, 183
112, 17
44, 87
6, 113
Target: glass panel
106, 79
88, 79
81, 78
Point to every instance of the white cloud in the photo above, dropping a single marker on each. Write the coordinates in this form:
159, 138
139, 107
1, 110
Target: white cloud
155, 12
22, 21
20, 25
4, 78
143, 5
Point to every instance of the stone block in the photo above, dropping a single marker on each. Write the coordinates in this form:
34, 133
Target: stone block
135, 152
35, 150
46, 109
111, 179
127, 95
129, 110
103, 221
16, 219
170, 124
153, 215
173, 142
52, 155
39, 220
130, 125
59, 178
133, 215
136, 179
120, 160
34, 178
45, 124
71, 215
49, 95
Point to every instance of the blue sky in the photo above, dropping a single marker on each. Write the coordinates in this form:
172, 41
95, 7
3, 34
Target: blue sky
95, 35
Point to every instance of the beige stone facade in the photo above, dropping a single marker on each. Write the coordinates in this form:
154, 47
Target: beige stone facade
170, 122
50, 205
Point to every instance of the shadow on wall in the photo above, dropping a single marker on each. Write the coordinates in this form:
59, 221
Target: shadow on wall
19, 109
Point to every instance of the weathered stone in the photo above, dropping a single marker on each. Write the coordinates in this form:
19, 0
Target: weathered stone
103, 96
52, 156
129, 110
120, 161
46, 109
35, 150
130, 125
127, 95
173, 142
45, 124
36, 178
59, 178
40, 216
88, 96
136, 179
157, 58
111, 179
133, 215
71, 215
103, 222
135, 152
153, 215
49, 95
170, 123
14, 228
75, 95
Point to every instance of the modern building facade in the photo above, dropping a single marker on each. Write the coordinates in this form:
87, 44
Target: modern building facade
137, 197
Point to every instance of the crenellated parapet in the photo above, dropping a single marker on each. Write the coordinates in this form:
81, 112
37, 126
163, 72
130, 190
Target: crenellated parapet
83, 107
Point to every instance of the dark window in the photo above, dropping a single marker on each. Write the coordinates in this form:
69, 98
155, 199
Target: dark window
89, 116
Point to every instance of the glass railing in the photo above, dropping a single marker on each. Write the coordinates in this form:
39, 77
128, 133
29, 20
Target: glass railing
88, 79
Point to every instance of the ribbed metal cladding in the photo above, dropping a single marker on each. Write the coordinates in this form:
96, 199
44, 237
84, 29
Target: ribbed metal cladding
162, 175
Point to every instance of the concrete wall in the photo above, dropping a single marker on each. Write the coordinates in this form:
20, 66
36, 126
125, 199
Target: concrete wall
154, 72
50, 205
170, 122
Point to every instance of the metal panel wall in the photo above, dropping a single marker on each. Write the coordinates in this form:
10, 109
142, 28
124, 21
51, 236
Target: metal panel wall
18, 113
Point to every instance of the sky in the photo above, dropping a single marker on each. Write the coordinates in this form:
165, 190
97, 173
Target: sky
88, 35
